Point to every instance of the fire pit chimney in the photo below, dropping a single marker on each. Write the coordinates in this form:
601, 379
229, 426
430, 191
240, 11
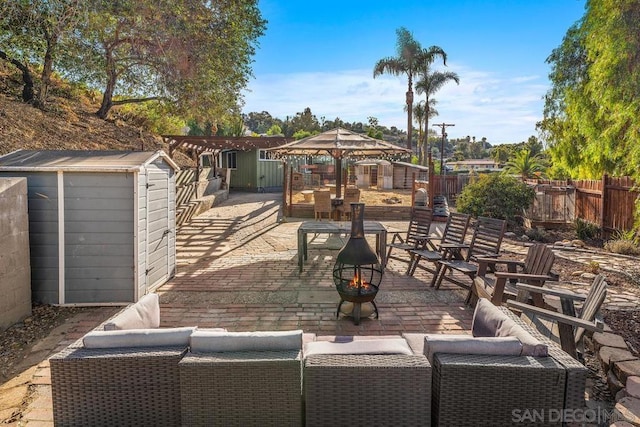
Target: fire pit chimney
357, 272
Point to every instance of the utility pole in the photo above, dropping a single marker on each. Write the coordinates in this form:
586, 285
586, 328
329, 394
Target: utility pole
443, 126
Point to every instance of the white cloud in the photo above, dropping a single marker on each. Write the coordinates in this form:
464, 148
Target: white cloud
485, 104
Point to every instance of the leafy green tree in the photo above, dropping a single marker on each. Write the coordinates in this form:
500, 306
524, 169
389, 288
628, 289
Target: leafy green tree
259, 122
409, 56
501, 153
524, 164
274, 130
306, 121
373, 130
496, 196
429, 82
31, 32
232, 126
592, 111
195, 53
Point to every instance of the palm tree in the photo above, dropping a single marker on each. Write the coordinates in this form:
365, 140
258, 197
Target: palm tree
408, 51
419, 113
525, 165
429, 83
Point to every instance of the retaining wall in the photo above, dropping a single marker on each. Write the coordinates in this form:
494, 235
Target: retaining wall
15, 268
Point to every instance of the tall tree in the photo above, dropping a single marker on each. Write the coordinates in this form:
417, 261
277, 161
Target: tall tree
30, 34
431, 81
592, 111
195, 53
409, 52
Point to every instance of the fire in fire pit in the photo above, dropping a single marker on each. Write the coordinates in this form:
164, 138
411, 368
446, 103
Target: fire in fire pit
357, 272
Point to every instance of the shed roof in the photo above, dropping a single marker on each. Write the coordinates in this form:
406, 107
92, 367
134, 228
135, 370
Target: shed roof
80, 160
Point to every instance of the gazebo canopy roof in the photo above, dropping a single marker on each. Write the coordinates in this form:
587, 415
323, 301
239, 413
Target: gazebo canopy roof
339, 143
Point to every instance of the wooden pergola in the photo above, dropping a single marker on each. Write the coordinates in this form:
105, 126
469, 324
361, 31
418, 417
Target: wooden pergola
215, 144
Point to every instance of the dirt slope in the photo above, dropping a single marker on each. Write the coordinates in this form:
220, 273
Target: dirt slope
69, 127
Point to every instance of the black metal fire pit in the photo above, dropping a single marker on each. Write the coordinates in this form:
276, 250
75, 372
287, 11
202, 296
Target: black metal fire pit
357, 272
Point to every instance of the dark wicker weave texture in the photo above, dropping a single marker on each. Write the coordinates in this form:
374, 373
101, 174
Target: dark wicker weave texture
116, 387
484, 390
576, 371
367, 390
241, 389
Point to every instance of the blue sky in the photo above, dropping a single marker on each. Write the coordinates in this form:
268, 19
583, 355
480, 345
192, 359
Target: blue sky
321, 54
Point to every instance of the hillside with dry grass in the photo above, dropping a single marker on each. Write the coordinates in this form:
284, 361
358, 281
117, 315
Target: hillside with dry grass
69, 123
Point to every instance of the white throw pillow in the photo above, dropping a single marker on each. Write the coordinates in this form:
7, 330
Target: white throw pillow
465, 344
143, 314
168, 337
203, 341
375, 346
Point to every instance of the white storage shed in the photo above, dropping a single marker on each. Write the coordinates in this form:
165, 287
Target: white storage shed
101, 223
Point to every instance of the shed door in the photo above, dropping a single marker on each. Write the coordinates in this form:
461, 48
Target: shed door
157, 228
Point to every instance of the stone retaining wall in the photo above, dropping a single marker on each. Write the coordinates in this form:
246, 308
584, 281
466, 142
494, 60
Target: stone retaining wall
623, 376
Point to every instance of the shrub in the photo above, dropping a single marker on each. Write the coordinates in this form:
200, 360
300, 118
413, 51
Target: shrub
623, 247
495, 196
623, 242
592, 267
586, 230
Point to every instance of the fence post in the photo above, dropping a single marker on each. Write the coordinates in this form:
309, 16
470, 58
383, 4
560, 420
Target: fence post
603, 207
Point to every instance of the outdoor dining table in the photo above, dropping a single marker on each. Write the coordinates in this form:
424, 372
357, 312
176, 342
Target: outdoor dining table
339, 227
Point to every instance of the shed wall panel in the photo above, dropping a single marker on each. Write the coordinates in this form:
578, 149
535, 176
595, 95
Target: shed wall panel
159, 228
90, 268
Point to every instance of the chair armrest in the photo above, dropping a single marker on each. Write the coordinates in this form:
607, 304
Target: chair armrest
595, 326
562, 293
524, 276
488, 259
448, 245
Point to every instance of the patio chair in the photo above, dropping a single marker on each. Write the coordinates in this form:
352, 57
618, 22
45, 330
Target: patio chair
571, 323
417, 236
321, 204
351, 195
454, 233
500, 286
485, 243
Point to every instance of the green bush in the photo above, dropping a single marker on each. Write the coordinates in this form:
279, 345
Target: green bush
496, 196
586, 230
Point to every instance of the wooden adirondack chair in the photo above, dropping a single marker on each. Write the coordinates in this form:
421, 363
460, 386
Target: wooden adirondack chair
500, 285
485, 243
571, 323
417, 235
454, 233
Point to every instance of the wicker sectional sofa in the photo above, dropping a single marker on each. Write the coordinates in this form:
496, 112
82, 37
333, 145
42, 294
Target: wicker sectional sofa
215, 377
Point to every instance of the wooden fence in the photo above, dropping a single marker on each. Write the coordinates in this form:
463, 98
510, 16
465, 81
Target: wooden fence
609, 203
